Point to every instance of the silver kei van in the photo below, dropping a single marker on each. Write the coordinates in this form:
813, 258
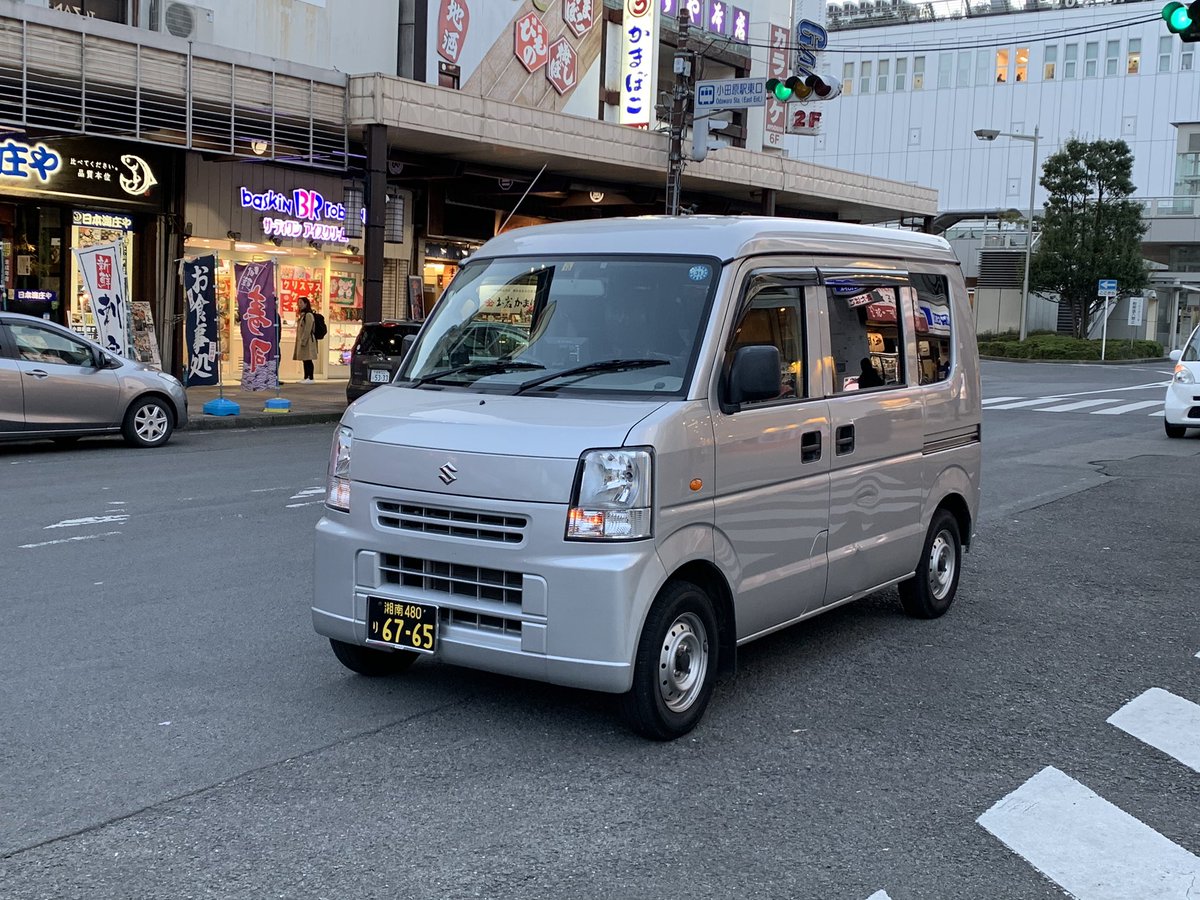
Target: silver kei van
712, 428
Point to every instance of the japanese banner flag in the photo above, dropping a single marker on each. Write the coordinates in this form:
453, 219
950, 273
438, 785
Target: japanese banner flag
254, 283
104, 280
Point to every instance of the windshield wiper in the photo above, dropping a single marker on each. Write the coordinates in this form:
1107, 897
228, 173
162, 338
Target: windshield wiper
476, 368
594, 368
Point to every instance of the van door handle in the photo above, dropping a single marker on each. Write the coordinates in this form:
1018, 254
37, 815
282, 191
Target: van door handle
843, 441
810, 446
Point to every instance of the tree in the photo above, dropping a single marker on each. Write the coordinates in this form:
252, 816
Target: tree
1090, 229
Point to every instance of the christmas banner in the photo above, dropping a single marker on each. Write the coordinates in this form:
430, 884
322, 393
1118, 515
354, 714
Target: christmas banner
258, 311
104, 280
201, 330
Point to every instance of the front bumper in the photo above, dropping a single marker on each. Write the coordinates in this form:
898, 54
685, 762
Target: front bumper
1182, 405
571, 613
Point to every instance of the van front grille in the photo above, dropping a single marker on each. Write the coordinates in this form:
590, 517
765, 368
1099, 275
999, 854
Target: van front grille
476, 526
478, 622
454, 579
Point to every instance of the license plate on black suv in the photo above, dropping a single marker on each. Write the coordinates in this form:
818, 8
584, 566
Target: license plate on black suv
408, 626
380, 376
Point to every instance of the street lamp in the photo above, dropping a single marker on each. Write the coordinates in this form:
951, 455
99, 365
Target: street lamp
989, 134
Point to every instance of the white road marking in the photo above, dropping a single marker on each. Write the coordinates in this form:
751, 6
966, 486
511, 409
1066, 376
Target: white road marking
1078, 404
1133, 387
1038, 402
1127, 407
116, 502
1164, 721
82, 537
1088, 847
308, 492
89, 520
1161, 412
986, 402
879, 895
309, 503
267, 490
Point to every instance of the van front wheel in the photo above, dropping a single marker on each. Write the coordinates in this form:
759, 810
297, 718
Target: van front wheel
931, 590
676, 664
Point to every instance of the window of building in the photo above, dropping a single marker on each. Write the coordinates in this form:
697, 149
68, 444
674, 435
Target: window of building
866, 337
1002, 60
901, 73
1049, 60
864, 80
983, 67
1166, 47
1112, 53
885, 74
918, 73
847, 78
1091, 55
1070, 60
1187, 175
964, 69
945, 69
1022, 64
932, 295
1185, 59
1133, 56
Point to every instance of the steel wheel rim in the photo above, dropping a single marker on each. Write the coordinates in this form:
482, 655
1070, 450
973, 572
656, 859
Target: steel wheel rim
942, 565
150, 423
683, 662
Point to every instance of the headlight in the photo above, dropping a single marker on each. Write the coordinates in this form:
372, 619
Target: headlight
337, 496
1183, 374
612, 500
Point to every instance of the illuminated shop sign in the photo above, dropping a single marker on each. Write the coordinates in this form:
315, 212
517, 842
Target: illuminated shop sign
639, 41
303, 214
28, 161
84, 219
81, 167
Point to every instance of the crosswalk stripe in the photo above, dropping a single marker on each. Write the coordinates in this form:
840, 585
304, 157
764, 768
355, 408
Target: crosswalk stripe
879, 895
987, 401
1090, 848
1164, 721
1078, 404
1037, 402
1161, 412
1127, 407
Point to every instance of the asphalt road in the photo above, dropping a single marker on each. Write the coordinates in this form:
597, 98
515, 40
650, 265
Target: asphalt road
171, 727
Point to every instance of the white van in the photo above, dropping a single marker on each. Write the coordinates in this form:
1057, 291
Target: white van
687, 433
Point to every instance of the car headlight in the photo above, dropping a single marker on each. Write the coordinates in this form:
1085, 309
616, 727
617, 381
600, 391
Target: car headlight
612, 499
337, 495
1183, 374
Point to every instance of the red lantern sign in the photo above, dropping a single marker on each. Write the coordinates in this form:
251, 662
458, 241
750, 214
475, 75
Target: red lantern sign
531, 42
579, 15
562, 65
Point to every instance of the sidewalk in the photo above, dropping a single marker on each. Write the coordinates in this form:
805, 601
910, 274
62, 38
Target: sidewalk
321, 401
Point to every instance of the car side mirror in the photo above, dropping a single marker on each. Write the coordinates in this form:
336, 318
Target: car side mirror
755, 374
406, 343
1176, 355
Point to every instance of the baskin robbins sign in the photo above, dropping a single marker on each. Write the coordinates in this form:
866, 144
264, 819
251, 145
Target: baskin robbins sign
300, 214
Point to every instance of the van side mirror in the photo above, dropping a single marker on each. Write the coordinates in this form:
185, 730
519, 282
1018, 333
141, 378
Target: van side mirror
406, 343
755, 374
1176, 355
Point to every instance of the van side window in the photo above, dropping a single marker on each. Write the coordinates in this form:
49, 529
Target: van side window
775, 316
866, 337
932, 295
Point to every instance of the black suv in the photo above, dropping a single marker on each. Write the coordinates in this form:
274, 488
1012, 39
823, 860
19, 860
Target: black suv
377, 355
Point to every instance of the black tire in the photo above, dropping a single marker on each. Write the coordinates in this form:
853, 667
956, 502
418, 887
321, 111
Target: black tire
148, 423
676, 664
1174, 431
371, 662
929, 593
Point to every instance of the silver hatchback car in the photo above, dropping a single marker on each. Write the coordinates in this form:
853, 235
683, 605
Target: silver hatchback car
56, 384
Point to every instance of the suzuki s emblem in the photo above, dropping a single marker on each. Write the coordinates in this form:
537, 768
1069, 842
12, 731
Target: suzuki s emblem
447, 473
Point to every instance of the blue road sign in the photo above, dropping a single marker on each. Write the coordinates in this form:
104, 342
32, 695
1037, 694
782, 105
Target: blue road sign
731, 93
1108, 287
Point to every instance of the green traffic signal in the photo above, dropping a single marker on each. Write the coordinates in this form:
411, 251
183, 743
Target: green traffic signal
1177, 17
782, 90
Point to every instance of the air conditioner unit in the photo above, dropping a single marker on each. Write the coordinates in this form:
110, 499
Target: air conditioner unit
181, 20
849, 9
833, 10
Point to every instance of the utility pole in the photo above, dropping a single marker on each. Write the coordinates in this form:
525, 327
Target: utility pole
684, 61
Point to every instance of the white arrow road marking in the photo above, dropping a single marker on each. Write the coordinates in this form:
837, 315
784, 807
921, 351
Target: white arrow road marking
89, 520
879, 895
298, 505
308, 492
1088, 847
82, 537
1164, 721
986, 402
1078, 404
1127, 407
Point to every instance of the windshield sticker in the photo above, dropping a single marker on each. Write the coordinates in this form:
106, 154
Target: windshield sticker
699, 273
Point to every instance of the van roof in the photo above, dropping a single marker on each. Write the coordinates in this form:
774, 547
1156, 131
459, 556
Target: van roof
724, 237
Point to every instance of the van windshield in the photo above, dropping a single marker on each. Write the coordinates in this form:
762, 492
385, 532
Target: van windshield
612, 324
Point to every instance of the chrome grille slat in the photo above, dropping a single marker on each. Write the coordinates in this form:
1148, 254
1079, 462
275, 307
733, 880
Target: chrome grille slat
478, 526
480, 622
453, 579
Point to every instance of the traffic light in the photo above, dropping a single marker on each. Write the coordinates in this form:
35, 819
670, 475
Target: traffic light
1183, 20
808, 87
702, 137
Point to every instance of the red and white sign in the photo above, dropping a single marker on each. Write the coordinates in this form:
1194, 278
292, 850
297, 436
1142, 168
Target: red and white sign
802, 120
453, 20
580, 15
531, 42
777, 67
562, 66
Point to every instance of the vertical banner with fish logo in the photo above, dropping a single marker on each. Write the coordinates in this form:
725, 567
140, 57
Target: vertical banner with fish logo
258, 310
104, 280
200, 332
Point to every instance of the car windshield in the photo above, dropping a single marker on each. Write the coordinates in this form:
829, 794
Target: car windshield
385, 339
1191, 350
614, 324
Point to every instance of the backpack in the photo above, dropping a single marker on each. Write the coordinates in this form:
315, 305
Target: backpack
319, 329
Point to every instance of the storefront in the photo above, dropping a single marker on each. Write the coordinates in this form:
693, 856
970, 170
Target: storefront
62, 195
251, 213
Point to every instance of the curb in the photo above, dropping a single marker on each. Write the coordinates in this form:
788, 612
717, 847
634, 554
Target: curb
1160, 361
212, 423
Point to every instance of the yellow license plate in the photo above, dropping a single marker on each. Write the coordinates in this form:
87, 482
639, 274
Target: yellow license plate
409, 626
